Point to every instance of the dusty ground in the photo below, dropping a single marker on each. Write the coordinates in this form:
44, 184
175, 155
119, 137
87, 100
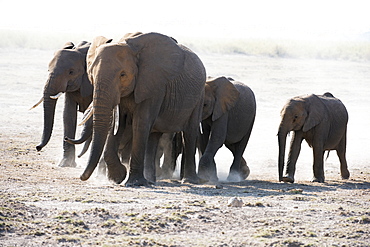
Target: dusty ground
44, 205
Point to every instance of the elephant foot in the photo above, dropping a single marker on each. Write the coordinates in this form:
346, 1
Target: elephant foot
193, 180
245, 171
288, 179
166, 174
318, 180
204, 178
137, 182
234, 177
207, 174
345, 175
117, 173
150, 177
65, 162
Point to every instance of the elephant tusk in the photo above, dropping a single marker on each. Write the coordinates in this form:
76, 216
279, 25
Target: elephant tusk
200, 128
56, 96
116, 120
87, 115
35, 105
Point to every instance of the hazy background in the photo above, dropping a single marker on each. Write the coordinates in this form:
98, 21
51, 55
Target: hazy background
280, 49
265, 19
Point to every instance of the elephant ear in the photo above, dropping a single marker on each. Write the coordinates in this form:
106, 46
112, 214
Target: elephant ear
82, 43
68, 45
86, 88
98, 41
161, 60
83, 49
315, 112
226, 96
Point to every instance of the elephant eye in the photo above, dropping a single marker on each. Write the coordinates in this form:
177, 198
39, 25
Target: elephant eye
71, 72
123, 74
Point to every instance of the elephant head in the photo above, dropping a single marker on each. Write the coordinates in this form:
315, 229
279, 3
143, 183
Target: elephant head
67, 73
139, 68
300, 113
220, 96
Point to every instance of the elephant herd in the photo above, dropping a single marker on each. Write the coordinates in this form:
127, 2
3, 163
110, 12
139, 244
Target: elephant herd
147, 94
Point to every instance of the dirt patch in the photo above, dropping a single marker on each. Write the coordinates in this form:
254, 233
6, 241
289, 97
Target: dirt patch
41, 204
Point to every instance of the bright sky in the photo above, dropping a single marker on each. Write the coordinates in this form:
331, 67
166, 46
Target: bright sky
258, 18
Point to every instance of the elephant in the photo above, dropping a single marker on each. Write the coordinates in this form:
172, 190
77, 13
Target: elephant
160, 84
228, 116
67, 74
322, 121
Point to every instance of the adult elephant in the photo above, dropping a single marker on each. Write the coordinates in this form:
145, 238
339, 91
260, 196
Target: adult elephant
161, 84
67, 74
322, 121
228, 117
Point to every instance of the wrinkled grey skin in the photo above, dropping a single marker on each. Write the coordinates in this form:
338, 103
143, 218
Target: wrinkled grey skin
321, 120
159, 82
67, 74
228, 117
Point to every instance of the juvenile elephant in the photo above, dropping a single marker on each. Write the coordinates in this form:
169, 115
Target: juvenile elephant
228, 117
161, 84
322, 121
67, 74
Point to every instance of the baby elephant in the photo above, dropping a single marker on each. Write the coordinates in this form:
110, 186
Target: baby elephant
228, 115
322, 121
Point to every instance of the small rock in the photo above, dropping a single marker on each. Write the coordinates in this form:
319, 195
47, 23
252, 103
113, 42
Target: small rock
235, 202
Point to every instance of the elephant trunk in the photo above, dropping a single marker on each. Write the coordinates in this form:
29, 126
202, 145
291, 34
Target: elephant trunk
282, 134
103, 111
85, 134
49, 113
85, 147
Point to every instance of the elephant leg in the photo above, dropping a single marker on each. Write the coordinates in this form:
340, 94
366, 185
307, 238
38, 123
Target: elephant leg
318, 164
158, 156
116, 171
244, 169
69, 124
142, 123
295, 149
150, 157
125, 146
239, 169
207, 165
341, 152
190, 135
189, 168
170, 153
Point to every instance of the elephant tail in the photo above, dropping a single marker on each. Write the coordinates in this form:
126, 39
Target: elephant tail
327, 156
